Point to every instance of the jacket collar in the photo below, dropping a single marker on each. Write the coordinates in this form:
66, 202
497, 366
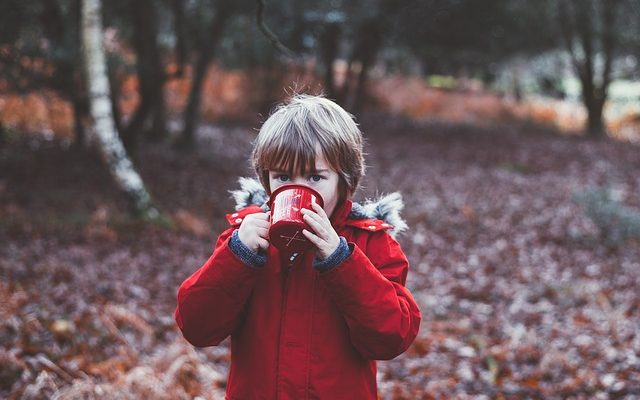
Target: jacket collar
341, 213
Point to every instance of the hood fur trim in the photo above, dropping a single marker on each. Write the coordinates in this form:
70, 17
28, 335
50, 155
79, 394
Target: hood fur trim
386, 207
250, 193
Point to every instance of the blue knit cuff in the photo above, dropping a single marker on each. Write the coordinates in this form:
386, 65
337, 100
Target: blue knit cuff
248, 256
339, 255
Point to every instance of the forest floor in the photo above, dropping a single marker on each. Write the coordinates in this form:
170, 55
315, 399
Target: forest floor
522, 295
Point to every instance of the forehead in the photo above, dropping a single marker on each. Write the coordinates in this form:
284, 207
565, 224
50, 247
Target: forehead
318, 163
321, 163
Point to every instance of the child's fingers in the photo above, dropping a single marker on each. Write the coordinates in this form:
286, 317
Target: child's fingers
319, 210
255, 221
262, 224
261, 216
312, 238
317, 227
308, 213
320, 226
263, 243
317, 217
263, 232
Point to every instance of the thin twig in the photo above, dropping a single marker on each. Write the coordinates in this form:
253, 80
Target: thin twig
270, 35
113, 329
567, 28
608, 40
44, 360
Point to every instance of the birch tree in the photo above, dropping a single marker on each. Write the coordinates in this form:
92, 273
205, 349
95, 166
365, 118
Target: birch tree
103, 128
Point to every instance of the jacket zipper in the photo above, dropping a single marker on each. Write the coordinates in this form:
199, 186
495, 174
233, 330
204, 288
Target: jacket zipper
283, 310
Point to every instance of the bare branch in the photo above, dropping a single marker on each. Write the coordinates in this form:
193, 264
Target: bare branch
566, 27
608, 40
584, 23
270, 35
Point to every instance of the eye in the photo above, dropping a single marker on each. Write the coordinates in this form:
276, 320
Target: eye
282, 178
316, 178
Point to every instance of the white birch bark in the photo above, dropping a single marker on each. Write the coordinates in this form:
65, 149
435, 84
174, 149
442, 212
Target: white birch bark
103, 128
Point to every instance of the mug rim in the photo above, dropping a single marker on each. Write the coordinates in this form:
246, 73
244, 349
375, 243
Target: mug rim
282, 188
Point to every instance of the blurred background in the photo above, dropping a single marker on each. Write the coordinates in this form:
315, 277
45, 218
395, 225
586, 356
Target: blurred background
511, 128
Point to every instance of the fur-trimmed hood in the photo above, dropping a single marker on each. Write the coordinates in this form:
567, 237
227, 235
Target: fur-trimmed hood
386, 208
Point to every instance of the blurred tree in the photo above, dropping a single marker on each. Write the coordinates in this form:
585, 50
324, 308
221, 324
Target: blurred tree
108, 142
180, 29
207, 38
150, 69
590, 29
138, 29
461, 37
139, 21
329, 43
39, 46
273, 38
469, 37
353, 32
277, 59
39, 49
369, 40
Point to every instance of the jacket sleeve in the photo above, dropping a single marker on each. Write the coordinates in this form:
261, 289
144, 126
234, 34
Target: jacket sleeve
212, 300
381, 314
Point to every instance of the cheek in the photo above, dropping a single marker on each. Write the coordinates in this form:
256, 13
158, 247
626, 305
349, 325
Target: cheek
330, 192
274, 184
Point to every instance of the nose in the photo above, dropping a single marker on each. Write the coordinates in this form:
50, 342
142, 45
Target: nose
300, 181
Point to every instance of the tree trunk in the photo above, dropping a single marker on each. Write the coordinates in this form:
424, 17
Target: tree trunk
193, 105
580, 22
79, 112
593, 97
150, 70
329, 41
181, 36
67, 76
79, 99
207, 47
595, 123
369, 43
159, 118
130, 141
106, 137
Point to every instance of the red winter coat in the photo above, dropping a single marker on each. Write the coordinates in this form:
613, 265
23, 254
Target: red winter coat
297, 333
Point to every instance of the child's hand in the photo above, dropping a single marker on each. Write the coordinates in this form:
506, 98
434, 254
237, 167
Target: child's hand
254, 231
323, 236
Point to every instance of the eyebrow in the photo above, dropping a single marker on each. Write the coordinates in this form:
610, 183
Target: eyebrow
277, 171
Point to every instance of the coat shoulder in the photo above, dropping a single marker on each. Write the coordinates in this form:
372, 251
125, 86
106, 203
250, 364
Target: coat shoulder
380, 214
369, 224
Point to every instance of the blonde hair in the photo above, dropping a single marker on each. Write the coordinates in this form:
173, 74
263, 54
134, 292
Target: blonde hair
289, 138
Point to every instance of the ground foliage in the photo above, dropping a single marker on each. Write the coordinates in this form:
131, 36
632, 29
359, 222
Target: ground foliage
520, 295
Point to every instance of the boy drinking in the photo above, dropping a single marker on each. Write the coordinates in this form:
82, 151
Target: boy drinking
311, 325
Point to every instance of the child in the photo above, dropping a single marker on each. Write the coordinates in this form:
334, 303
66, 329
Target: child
308, 326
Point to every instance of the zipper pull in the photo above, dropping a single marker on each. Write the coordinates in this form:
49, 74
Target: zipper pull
292, 258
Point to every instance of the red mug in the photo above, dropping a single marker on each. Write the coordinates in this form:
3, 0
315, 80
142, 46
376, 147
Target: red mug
286, 204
